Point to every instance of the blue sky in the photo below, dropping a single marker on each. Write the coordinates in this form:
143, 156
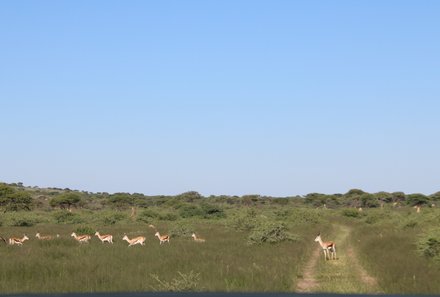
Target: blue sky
221, 97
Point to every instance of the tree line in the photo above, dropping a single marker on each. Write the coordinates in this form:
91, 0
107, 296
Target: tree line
16, 197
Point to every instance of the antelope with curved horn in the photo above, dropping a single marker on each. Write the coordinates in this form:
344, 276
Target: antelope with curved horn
18, 241
105, 238
137, 240
329, 248
162, 238
81, 238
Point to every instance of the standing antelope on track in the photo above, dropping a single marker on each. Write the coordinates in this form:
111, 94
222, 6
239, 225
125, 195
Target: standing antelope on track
105, 238
197, 239
81, 238
329, 248
18, 241
162, 238
138, 240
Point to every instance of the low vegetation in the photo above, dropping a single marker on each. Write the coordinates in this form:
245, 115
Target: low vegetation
252, 243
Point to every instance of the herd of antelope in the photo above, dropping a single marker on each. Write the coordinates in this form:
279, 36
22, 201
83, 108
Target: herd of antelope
329, 248
106, 238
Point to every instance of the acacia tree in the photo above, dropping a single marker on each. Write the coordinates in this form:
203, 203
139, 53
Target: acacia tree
416, 199
122, 200
66, 200
12, 200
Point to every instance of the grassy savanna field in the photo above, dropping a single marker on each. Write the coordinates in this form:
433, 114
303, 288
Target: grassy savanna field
253, 244
225, 262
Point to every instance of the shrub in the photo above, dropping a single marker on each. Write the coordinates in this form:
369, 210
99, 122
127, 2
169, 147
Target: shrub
168, 216
351, 213
85, 230
113, 218
182, 283
147, 216
212, 211
181, 230
244, 222
189, 211
429, 244
271, 233
23, 222
305, 216
66, 217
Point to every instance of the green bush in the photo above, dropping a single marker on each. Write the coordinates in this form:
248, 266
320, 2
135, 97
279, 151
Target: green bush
429, 244
189, 211
111, 219
244, 222
212, 211
23, 222
66, 217
351, 213
147, 216
168, 216
181, 230
182, 283
270, 233
305, 216
85, 230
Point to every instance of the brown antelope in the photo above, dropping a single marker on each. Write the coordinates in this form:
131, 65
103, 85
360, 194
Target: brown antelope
18, 241
197, 239
138, 240
329, 248
162, 238
105, 238
81, 238
46, 237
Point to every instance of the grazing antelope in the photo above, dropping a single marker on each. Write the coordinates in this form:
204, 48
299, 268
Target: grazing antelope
81, 238
162, 238
329, 248
152, 226
105, 238
138, 240
417, 207
46, 237
18, 241
197, 239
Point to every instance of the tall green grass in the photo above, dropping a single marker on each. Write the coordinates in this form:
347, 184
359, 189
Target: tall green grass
388, 249
225, 262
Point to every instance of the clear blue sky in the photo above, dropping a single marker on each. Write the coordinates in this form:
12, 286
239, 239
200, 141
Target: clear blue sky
221, 97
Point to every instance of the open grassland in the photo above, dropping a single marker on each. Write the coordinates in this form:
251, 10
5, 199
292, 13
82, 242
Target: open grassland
227, 261
387, 244
258, 249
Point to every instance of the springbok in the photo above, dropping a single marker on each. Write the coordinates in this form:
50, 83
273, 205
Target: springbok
162, 238
138, 240
18, 241
197, 239
46, 237
329, 248
105, 238
81, 238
